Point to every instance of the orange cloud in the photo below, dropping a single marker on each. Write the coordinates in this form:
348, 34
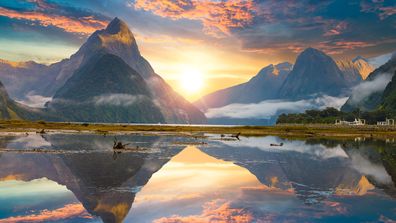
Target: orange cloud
214, 211
68, 211
84, 25
217, 17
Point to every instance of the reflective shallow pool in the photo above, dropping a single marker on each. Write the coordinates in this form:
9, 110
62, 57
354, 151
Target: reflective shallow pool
78, 178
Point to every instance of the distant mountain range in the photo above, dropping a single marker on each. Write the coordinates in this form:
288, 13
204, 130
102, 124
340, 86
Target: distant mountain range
314, 73
109, 79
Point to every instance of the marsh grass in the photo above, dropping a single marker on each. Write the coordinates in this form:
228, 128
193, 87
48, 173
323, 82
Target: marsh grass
286, 130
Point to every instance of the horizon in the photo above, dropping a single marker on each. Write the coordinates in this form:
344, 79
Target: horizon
179, 42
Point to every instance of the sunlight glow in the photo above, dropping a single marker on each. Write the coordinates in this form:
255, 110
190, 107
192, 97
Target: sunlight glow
191, 81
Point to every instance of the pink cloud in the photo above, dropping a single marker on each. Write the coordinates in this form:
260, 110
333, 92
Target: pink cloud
217, 17
337, 30
82, 25
68, 211
214, 211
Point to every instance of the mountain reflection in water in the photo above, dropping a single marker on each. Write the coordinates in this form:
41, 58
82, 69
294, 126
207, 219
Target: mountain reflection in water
221, 181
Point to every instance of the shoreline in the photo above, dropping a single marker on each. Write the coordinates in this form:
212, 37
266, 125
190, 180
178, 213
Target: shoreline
284, 130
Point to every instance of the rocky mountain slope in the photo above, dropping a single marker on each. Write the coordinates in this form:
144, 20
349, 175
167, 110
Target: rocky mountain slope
9, 109
105, 89
355, 70
313, 73
263, 86
368, 96
21, 78
118, 40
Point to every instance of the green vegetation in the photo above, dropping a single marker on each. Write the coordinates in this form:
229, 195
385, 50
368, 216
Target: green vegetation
330, 115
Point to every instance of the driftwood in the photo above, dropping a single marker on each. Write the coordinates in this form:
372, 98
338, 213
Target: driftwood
274, 144
223, 136
41, 132
236, 135
118, 144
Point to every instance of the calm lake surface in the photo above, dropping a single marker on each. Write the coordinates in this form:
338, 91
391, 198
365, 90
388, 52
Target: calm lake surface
177, 179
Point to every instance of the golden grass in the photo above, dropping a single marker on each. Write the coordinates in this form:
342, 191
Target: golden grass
314, 130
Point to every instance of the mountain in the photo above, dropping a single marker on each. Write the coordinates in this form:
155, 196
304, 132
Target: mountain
368, 95
388, 101
264, 85
105, 89
9, 109
351, 72
355, 70
313, 73
363, 66
19, 77
118, 40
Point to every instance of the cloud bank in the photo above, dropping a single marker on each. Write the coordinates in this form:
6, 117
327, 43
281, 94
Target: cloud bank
269, 108
118, 99
35, 101
367, 88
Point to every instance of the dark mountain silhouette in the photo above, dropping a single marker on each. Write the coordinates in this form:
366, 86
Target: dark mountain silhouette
105, 89
313, 73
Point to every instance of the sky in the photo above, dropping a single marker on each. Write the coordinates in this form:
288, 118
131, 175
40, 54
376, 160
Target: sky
222, 42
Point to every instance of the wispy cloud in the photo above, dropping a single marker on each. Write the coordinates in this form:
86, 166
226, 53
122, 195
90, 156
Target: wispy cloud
217, 17
118, 99
374, 6
46, 14
36, 101
269, 108
214, 211
340, 27
68, 211
367, 88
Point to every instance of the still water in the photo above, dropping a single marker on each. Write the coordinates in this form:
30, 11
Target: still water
194, 179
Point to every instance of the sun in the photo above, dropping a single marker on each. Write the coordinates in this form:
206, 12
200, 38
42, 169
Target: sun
191, 81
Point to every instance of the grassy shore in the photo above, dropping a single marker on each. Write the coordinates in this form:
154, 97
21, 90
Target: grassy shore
316, 130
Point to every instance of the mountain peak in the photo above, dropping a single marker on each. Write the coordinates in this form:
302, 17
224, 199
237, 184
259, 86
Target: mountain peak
116, 26
359, 58
312, 51
313, 73
284, 66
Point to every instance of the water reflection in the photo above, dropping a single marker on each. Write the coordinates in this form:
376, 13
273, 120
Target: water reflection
104, 186
224, 181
